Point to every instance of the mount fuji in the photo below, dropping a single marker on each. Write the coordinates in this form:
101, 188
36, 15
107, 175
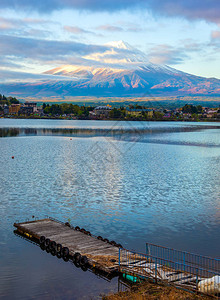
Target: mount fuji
119, 71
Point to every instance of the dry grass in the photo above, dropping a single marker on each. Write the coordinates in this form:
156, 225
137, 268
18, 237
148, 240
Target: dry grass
104, 260
152, 291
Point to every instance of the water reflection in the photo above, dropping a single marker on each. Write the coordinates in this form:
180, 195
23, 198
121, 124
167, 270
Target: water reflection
8, 132
160, 187
123, 132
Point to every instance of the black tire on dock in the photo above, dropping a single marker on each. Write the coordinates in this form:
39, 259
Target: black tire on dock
106, 240
66, 258
67, 224
53, 251
113, 243
65, 251
53, 245
119, 245
82, 230
59, 255
84, 268
76, 264
47, 242
77, 257
100, 238
83, 261
42, 246
88, 233
77, 228
48, 249
59, 248
42, 239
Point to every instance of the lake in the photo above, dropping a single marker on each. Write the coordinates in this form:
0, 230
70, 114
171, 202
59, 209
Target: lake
132, 182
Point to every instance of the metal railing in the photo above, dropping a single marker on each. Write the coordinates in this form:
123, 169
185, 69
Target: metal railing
183, 257
180, 273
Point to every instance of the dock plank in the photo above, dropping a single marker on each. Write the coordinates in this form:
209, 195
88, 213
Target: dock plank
104, 252
75, 240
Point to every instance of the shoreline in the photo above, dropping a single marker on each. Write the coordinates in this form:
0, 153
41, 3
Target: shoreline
124, 120
155, 291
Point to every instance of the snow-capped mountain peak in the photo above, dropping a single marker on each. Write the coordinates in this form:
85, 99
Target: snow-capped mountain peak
119, 52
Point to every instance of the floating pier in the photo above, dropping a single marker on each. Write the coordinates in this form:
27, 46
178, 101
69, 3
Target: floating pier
75, 242
183, 269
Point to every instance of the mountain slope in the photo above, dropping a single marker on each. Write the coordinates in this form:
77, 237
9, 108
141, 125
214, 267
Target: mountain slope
120, 71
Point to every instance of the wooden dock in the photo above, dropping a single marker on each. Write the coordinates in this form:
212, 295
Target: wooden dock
103, 256
100, 254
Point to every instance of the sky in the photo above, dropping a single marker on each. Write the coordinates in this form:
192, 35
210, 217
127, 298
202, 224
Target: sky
36, 36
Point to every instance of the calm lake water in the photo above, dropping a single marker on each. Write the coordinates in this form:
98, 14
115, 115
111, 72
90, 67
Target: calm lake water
132, 182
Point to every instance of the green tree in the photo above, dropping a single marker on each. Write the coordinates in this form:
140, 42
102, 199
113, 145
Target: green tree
189, 108
158, 115
199, 108
115, 113
13, 100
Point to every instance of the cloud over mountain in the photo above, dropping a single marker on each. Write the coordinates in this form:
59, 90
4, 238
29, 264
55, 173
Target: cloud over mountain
206, 9
44, 49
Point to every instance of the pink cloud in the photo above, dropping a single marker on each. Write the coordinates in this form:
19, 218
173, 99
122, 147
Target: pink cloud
5, 24
215, 34
109, 28
75, 29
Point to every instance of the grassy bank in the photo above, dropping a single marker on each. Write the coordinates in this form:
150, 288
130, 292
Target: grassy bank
152, 291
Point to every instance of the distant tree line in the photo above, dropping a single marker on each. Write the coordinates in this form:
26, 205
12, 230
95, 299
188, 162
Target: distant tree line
191, 109
117, 113
8, 100
136, 106
66, 109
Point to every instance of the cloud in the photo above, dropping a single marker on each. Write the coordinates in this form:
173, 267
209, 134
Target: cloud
24, 26
13, 22
36, 21
167, 55
113, 28
109, 28
51, 5
131, 26
215, 34
38, 33
134, 29
208, 10
6, 63
15, 49
23, 77
76, 30
215, 40
5, 24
